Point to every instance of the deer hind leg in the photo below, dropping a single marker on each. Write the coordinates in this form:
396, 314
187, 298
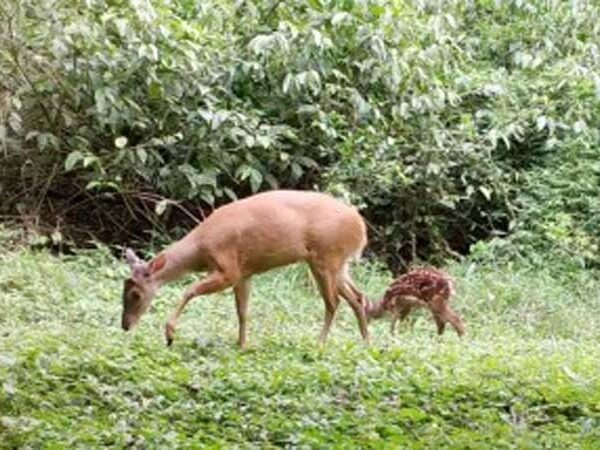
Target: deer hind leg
348, 290
325, 283
213, 282
242, 294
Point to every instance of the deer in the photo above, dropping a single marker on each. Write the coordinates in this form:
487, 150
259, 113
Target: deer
251, 236
419, 288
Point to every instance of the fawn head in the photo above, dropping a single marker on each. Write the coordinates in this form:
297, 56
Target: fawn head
140, 288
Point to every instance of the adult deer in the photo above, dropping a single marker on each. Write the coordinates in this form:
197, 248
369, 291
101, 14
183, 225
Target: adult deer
250, 236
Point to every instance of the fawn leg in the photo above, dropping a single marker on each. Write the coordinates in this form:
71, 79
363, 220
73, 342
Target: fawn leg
242, 294
441, 325
213, 282
393, 324
455, 321
400, 315
443, 313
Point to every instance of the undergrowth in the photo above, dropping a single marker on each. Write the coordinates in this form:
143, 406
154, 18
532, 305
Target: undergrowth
525, 376
445, 122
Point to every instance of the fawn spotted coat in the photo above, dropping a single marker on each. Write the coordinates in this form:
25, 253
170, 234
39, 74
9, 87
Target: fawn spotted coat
419, 288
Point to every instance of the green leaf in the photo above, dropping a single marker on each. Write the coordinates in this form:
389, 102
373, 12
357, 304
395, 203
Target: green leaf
315, 4
93, 185
208, 198
308, 110
100, 100
341, 18
161, 207
263, 141
243, 172
541, 122
31, 135
256, 180
307, 162
15, 122
121, 142
72, 159
297, 170
142, 154
88, 160
487, 193
154, 90
287, 83
230, 193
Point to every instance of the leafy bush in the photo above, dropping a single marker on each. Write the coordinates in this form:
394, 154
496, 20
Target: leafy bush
443, 120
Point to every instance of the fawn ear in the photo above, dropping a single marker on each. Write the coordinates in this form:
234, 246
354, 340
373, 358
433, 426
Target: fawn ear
132, 258
128, 285
157, 264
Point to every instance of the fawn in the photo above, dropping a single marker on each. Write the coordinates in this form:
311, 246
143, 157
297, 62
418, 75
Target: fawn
419, 288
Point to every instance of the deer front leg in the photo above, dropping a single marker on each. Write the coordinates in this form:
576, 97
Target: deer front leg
213, 282
325, 284
242, 293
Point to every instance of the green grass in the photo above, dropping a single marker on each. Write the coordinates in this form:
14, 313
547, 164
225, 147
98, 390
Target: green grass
526, 376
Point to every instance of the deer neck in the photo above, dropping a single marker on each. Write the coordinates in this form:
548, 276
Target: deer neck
182, 257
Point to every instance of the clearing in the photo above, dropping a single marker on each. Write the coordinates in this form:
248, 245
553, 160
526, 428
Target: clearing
526, 375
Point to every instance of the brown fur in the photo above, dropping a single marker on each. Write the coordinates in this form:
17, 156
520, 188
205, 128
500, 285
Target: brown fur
251, 236
419, 288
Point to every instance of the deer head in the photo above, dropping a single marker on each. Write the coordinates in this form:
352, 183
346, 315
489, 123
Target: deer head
376, 309
140, 288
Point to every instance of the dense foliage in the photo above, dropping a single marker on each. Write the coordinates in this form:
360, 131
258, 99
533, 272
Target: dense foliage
525, 376
446, 121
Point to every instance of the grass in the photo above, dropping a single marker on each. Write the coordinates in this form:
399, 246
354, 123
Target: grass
526, 376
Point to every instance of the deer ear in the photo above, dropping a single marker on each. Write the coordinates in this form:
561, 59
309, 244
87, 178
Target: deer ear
131, 258
157, 264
